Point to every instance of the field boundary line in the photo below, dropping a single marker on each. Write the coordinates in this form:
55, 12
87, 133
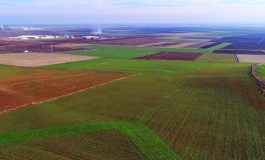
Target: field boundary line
260, 84
69, 94
149, 144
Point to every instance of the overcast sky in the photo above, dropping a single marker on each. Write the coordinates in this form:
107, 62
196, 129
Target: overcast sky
132, 11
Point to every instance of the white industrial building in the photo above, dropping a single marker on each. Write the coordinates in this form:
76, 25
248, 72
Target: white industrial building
92, 37
36, 37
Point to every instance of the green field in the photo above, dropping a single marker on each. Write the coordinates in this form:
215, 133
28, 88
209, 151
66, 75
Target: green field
151, 146
6, 71
211, 57
170, 110
260, 71
220, 46
126, 52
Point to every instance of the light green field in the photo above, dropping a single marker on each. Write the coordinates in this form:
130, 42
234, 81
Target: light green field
260, 72
171, 109
211, 57
220, 46
6, 71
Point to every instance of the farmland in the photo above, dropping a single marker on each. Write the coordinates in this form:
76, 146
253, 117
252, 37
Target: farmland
39, 59
181, 43
74, 147
21, 46
217, 58
248, 42
125, 52
154, 104
228, 107
251, 58
172, 56
238, 51
216, 46
36, 48
134, 40
29, 86
260, 72
252, 44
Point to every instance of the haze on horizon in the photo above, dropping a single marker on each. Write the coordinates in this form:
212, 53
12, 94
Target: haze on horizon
132, 11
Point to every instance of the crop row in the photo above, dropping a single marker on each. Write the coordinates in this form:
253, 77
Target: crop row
209, 117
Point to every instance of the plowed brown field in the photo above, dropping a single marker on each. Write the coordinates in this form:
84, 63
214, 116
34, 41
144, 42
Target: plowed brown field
39, 59
31, 86
172, 56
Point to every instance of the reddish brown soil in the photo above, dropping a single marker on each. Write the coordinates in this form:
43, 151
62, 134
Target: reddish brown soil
173, 56
17, 43
180, 43
31, 86
21, 46
49, 46
136, 40
37, 48
40, 59
200, 45
166, 44
56, 45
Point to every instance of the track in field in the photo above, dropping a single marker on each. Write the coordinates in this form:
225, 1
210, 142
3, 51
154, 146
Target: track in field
150, 145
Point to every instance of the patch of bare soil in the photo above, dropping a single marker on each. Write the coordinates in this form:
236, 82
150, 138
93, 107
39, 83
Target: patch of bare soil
33, 85
251, 58
39, 59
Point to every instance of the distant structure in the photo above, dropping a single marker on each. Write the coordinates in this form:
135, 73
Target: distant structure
69, 37
26, 28
4, 27
27, 37
19, 28
91, 37
36, 37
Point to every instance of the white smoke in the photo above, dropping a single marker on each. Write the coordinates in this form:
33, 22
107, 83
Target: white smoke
99, 30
